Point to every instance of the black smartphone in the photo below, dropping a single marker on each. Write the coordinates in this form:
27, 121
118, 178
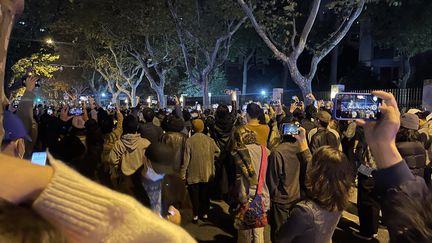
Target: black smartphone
353, 106
290, 129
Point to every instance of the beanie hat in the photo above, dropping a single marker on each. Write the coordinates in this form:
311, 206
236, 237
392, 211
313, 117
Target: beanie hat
14, 127
198, 125
410, 121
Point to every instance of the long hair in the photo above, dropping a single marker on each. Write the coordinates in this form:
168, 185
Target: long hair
329, 179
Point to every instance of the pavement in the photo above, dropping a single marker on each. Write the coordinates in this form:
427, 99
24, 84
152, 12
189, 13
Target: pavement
219, 226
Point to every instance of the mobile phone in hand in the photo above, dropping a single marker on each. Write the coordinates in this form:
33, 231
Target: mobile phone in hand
353, 106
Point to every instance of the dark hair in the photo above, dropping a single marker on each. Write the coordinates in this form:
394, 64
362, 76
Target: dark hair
21, 224
261, 118
148, 114
130, 125
221, 112
253, 110
408, 135
323, 123
186, 115
310, 111
107, 124
330, 178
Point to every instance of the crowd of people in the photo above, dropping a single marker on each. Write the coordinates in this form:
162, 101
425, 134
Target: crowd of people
126, 175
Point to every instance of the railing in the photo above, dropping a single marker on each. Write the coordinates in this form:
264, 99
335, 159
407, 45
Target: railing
406, 98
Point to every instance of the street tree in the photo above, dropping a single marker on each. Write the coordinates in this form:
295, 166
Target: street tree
276, 23
405, 26
205, 31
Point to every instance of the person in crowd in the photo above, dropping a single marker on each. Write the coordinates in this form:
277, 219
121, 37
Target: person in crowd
61, 196
406, 201
127, 154
22, 224
112, 133
329, 181
158, 187
283, 179
148, 130
307, 123
253, 113
367, 205
410, 146
221, 130
348, 132
322, 135
249, 157
94, 147
25, 113
175, 138
198, 169
13, 143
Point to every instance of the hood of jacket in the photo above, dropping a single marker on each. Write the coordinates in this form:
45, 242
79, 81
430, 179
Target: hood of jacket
131, 141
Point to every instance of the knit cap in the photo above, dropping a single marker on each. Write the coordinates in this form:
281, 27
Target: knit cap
198, 125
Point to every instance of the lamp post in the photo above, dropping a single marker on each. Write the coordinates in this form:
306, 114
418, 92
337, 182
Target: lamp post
210, 97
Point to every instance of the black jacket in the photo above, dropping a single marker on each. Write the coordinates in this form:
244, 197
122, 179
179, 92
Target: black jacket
177, 141
414, 154
323, 137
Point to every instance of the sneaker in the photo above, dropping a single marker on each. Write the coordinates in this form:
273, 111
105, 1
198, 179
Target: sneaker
360, 236
195, 220
205, 217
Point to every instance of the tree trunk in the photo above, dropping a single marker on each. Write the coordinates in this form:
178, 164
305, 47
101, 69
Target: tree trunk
408, 72
245, 76
133, 99
285, 77
334, 65
114, 98
161, 97
205, 88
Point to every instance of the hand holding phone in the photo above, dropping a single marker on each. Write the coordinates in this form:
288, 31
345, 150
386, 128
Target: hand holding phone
290, 129
353, 106
39, 158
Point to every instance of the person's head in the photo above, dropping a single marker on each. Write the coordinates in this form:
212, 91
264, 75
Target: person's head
408, 135
21, 224
253, 111
311, 111
410, 121
323, 119
15, 134
148, 114
160, 156
198, 125
130, 125
187, 115
107, 124
222, 112
172, 123
330, 178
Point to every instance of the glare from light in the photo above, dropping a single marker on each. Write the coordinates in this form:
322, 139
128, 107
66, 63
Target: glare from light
263, 92
126, 101
103, 94
49, 41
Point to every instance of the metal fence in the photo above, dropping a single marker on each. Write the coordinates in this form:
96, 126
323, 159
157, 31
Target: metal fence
406, 98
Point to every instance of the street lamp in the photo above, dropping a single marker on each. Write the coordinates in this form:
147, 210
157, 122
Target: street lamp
210, 96
103, 94
49, 41
263, 92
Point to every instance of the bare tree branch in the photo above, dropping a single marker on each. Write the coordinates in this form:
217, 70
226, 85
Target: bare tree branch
307, 28
248, 11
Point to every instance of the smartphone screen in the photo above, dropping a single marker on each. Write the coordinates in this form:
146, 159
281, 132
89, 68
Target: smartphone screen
290, 129
352, 106
75, 111
39, 158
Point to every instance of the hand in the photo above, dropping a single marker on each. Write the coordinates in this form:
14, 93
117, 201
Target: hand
64, 116
293, 107
176, 99
381, 135
31, 83
311, 97
301, 139
174, 215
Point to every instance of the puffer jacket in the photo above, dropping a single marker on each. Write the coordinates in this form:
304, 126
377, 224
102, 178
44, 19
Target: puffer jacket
177, 141
414, 154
